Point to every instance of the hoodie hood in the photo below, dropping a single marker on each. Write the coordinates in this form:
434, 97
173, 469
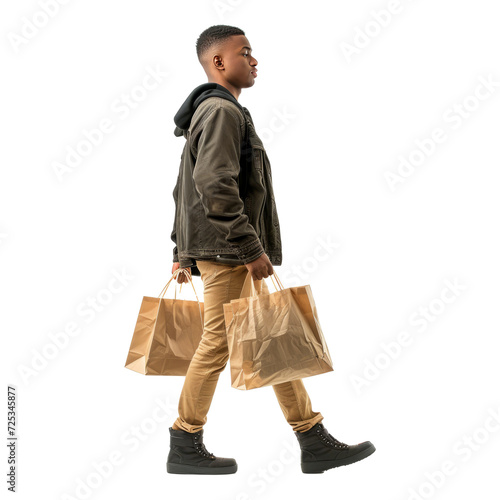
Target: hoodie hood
183, 117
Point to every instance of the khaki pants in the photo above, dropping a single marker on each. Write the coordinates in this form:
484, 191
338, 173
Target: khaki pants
221, 284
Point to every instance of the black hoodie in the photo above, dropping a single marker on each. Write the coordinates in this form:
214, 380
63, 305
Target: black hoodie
183, 117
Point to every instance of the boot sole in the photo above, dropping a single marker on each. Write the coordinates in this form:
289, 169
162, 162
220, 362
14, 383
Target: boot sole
193, 469
321, 466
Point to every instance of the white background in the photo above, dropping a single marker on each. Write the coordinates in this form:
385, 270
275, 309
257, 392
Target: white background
394, 252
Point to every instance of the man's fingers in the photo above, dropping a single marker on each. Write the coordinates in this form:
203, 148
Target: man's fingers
181, 277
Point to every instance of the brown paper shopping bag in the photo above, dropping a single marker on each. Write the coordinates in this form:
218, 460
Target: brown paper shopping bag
167, 333
274, 337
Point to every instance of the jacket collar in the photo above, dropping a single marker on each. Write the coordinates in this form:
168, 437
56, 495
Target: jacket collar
183, 116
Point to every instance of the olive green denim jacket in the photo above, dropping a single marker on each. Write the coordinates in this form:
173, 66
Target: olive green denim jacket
214, 219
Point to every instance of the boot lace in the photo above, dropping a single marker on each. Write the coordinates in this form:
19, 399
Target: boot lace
200, 448
327, 438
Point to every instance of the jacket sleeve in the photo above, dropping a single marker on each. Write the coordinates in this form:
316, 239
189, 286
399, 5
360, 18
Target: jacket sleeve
216, 180
174, 253
173, 235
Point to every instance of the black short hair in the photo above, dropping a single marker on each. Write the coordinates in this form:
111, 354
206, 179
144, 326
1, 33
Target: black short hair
214, 35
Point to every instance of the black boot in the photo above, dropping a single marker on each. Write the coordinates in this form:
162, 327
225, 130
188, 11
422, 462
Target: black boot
320, 451
188, 455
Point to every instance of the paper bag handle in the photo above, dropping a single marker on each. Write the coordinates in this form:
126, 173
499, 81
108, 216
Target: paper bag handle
174, 275
253, 289
275, 276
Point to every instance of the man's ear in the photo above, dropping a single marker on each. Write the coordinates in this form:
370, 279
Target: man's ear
218, 62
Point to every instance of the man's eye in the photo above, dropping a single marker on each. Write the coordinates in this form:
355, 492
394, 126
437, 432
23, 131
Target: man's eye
245, 54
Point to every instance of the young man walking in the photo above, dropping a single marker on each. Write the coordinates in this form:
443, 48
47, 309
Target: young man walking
226, 226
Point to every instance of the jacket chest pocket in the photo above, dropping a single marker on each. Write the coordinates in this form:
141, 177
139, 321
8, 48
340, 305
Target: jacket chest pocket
257, 182
257, 149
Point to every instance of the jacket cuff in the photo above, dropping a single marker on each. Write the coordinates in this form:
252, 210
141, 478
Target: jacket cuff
251, 252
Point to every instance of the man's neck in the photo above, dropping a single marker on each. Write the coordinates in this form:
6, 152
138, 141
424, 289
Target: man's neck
234, 90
